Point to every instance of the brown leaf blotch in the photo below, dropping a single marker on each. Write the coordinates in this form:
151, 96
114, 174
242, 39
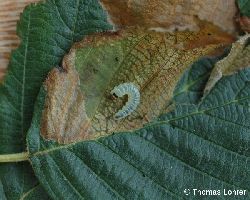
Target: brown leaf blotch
64, 118
154, 61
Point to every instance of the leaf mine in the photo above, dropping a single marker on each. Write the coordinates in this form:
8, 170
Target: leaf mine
79, 105
64, 116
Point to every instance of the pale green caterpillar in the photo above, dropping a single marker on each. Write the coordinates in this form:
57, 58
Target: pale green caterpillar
133, 99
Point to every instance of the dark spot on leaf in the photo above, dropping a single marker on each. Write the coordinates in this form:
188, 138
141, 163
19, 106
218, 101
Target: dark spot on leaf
61, 69
95, 70
115, 95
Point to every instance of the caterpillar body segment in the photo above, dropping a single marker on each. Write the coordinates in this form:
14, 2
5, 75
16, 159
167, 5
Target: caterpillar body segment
133, 99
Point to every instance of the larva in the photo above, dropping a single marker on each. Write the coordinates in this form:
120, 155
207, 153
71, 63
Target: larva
133, 99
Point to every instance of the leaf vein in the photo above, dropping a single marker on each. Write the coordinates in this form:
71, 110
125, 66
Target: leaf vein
190, 166
135, 167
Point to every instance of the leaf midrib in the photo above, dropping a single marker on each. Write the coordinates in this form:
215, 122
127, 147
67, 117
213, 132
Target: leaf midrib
24, 195
190, 166
75, 189
164, 122
24, 76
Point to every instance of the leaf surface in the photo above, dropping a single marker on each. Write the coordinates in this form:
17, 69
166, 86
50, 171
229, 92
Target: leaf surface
152, 61
35, 193
203, 146
47, 30
244, 6
162, 15
238, 58
244, 22
190, 87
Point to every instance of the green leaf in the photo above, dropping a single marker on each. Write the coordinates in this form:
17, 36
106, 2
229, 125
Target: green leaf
17, 179
190, 87
47, 31
35, 193
244, 6
203, 146
20, 182
2, 195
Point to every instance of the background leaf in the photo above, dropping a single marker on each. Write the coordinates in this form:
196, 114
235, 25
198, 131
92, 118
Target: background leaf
204, 146
47, 31
244, 6
162, 15
36, 193
190, 87
10, 13
238, 58
17, 179
2, 195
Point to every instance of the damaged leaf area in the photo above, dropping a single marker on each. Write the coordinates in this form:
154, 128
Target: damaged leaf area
238, 58
244, 23
64, 111
194, 146
150, 60
167, 15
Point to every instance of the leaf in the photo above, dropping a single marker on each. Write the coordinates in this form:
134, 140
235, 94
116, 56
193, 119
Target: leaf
17, 179
190, 87
47, 31
35, 193
244, 6
244, 23
150, 60
203, 146
2, 195
10, 12
238, 58
162, 15
64, 24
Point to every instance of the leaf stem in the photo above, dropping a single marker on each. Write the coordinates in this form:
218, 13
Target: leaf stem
15, 157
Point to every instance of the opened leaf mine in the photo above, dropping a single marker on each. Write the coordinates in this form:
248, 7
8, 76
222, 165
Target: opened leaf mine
150, 60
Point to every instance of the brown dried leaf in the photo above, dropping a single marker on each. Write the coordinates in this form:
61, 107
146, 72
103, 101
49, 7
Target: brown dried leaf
168, 15
238, 58
65, 111
151, 60
244, 22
